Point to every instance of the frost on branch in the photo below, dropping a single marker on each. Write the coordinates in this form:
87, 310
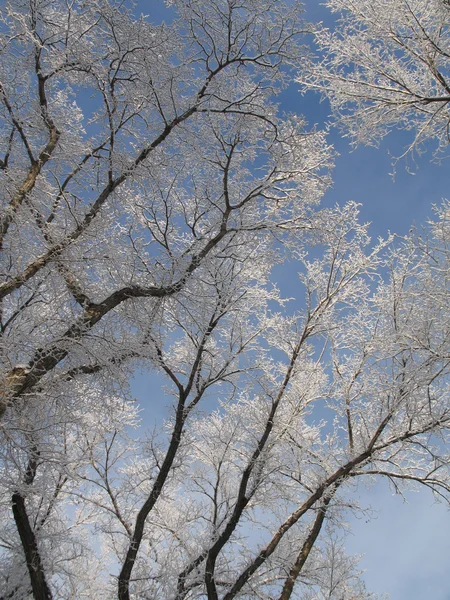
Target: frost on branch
387, 65
134, 155
149, 187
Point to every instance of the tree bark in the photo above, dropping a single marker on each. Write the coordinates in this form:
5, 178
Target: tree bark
308, 544
39, 585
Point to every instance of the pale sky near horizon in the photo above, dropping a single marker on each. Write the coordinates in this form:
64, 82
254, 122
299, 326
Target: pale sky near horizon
406, 545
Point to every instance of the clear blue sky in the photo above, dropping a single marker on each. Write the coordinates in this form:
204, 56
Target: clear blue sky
406, 546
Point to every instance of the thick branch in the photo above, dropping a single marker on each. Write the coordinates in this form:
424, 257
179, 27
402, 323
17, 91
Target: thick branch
305, 551
41, 591
36, 164
332, 482
39, 585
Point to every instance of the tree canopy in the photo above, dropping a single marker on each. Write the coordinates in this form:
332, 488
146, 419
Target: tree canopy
150, 183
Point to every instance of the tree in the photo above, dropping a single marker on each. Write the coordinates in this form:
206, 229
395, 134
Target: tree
149, 188
162, 122
385, 66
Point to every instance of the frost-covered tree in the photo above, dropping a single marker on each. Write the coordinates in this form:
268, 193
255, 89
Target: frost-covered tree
132, 155
149, 185
386, 65
145, 172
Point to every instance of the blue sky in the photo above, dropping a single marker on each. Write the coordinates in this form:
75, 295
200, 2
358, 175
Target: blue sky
406, 545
